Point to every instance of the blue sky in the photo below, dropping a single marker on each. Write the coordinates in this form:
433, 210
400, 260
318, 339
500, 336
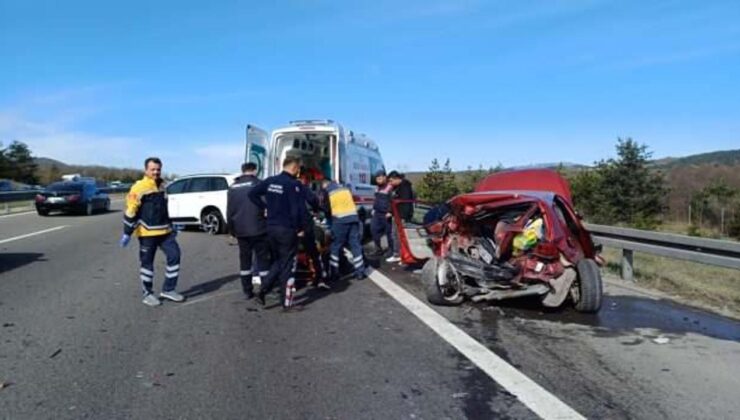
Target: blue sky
478, 82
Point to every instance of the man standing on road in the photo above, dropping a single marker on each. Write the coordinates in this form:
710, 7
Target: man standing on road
402, 190
285, 203
247, 224
146, 217
381, 224
345, 228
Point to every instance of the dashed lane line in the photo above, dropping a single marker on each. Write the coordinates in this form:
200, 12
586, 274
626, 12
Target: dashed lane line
28, 235
532, 395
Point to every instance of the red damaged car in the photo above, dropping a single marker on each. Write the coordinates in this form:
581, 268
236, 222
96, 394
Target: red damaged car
516, 235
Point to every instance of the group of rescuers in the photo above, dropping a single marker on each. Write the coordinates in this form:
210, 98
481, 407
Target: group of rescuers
269, 218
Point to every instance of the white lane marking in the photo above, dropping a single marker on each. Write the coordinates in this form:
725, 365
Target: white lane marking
536, 398
28, 235
17, 214
34, 211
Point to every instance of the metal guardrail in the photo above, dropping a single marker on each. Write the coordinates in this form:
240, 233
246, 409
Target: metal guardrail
706, 251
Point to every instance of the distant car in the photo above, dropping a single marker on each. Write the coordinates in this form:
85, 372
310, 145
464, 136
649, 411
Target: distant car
73, 197
6, 186
200, 200
516, 235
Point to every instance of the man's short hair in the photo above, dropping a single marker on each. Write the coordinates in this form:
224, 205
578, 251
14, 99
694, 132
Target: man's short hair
395, 175
152, 159
291, 160
249, 167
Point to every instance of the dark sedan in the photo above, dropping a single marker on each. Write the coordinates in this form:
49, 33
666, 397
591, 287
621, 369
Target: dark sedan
73, 197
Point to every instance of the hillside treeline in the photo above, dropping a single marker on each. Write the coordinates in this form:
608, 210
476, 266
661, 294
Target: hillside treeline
18, 164
628, 189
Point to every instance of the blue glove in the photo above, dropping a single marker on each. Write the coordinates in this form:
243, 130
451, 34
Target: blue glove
125, 239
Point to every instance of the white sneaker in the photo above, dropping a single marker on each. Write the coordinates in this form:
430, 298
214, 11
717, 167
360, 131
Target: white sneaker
172, 295
393, 258
151, 300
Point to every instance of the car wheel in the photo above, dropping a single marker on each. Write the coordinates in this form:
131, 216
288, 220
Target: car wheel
106, 208
89, 208
587, 290
442, 285
43, 212
212, 222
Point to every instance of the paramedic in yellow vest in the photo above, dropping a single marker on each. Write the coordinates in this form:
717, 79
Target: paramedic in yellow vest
147, 218
345, 227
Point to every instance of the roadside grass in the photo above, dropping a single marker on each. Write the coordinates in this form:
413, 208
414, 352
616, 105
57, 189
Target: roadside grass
709, 287
683, 228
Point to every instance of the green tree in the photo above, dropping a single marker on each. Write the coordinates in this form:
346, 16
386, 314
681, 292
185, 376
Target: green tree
21, 163
438, 184
5, 167
587, 196
633, 193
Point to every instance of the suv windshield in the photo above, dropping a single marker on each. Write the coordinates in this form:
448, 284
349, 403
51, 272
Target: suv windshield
63, 186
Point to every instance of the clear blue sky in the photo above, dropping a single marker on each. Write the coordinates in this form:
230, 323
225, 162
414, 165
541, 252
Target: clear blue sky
479, 82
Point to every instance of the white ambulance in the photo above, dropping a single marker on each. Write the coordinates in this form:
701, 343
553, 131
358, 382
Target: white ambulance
326, 150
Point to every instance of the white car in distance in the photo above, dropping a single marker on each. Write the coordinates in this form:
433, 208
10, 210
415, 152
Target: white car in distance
200, 200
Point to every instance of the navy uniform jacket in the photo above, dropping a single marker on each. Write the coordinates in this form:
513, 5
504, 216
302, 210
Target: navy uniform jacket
244, 218
284, 200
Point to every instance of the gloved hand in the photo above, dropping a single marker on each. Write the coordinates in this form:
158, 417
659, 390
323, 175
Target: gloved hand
125, 239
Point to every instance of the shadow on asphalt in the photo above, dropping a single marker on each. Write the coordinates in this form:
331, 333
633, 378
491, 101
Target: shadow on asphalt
209, 286
11, 261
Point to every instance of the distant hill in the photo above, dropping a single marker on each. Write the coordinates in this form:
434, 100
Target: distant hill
684, 176
723, 157
50, 170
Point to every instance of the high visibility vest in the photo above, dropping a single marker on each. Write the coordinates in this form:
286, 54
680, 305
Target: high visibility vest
341, 203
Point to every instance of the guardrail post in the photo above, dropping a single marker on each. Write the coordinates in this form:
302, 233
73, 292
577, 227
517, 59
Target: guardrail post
627, 265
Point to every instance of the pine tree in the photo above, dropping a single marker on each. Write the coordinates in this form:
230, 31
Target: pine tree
438, 184
21, 163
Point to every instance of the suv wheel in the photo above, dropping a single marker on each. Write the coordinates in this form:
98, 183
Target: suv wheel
89, 208
212, 222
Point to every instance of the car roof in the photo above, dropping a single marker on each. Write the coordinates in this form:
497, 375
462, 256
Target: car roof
527, 181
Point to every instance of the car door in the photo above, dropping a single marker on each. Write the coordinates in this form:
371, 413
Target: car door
258, 150
414, 235
174, 196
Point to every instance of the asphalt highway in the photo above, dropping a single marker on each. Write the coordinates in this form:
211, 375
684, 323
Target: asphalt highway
76, 342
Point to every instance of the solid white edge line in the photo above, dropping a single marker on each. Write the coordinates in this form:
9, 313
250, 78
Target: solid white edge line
28, 235
532, 395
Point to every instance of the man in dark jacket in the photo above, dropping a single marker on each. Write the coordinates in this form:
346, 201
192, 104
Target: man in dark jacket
247, 224
285, 203
381, 224
402, 190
